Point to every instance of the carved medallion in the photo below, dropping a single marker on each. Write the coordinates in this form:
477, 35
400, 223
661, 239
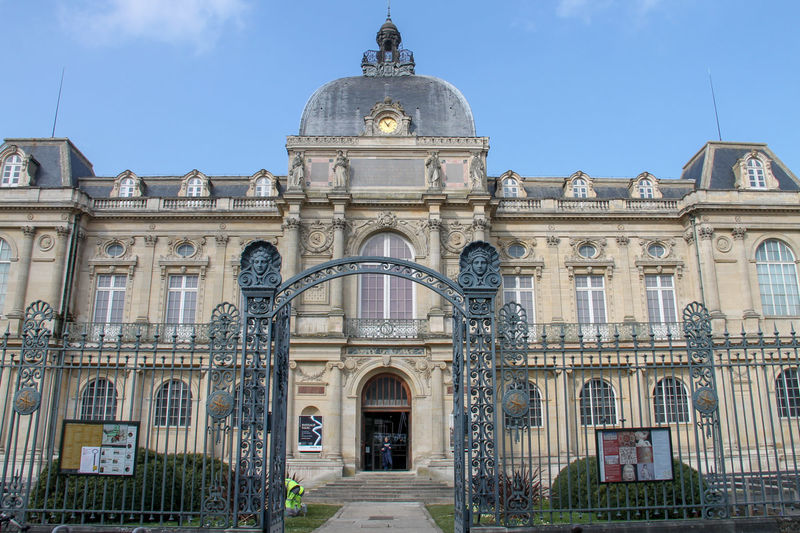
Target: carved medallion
220, 404
27, 400
516, 403
705, 400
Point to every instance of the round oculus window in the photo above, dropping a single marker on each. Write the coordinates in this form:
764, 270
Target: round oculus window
115, 249
587, 251
185, 250
516, 251
657, 250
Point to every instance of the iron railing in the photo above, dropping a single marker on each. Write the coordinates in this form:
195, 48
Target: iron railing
110, 333
375, 328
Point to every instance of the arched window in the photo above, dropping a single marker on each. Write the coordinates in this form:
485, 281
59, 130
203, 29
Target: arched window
263, 187
381, 296
99, 400
787, 389
173, 406
755, 174
579, 188
510, 188
5, 266
671, 402
646, 189
127, 187
534, 417
12, 171
194, 187
777, 279
598, 403
386, 391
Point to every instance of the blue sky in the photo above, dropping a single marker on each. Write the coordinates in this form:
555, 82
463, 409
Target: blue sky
610, 87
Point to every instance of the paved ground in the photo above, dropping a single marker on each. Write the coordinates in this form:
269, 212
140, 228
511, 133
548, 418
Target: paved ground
363, 517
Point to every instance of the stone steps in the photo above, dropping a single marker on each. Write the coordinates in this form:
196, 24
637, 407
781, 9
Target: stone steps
382, 487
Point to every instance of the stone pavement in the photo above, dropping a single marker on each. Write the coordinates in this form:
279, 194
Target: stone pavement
364, 517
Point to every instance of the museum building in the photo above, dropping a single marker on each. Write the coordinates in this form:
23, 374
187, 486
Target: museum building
388, 163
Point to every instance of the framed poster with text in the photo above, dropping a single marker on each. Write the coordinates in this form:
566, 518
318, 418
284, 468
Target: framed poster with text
634, 454
309, 434
102, 448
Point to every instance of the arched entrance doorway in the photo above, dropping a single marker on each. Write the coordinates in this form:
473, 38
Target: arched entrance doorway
386, 412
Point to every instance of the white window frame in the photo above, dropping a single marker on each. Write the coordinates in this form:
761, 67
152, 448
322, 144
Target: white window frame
510, 188
12, 170
112, 288
598, 404
593, 292
780, 295
263, 187
172, 406
387, 281
127, 187
194, 187
183, 290
756, 174
664, 295
787, 393
98, 403
646, 189
671, 396
514, 292
5, 269
580, 189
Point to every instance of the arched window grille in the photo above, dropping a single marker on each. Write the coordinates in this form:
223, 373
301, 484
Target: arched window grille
598, 403
173, 405
382, 296
787, 390
671, 402
99, 400
777, 279
535, 416
386, 391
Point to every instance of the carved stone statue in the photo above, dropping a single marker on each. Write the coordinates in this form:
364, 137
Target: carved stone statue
477, 174
341, 174
297, 174
433, 171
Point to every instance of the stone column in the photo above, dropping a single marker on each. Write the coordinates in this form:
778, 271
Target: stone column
438, 425
143, 313
709, 273
290, 257
291, 419
739, 233
332, 430
627, 295
336, 315
54, 298
221, 255
479, 225
436, 312
555, 285
23, 268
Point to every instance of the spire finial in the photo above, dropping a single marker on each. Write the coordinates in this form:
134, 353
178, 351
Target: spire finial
389, 9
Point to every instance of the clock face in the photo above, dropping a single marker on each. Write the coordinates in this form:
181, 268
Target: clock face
387, 124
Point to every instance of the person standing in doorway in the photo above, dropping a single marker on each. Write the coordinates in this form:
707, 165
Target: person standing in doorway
386, 454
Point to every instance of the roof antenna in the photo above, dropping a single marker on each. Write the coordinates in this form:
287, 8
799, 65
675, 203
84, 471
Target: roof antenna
714, 99
58, 102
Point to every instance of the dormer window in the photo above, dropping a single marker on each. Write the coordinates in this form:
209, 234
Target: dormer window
12, 170
194, 187
579, 188
263, 187
755, 174
646, 189
126, 187
510, 188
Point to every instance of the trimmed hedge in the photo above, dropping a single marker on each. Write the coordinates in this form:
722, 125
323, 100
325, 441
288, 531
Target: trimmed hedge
163, 487
577, 488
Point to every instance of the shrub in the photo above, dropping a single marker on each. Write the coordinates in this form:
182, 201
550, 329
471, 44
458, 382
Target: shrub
577, 488
163, 485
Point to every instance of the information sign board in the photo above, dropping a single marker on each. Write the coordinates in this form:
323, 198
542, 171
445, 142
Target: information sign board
634, 454
310, 434
103, 448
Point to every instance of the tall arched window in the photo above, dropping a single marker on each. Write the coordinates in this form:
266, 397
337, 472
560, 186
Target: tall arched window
671, 402
194, 187
755, 174
787, 389
534, 417
173, 406
127, 187
382, 296
598, 403
5, 266
12, 171
646, 189
777, 279
263, 187
579, 188
99, 400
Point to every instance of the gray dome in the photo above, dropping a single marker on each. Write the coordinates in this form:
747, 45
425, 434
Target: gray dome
435, 106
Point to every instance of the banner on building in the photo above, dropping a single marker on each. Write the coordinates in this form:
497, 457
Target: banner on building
309, 435
634, 454
100, 448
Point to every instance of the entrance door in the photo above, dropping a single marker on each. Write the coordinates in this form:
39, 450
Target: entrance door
386, 413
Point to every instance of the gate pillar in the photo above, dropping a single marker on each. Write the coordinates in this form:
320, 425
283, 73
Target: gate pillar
259, 279
479, 279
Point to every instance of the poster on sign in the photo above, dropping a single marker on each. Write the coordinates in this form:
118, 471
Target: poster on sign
634, 454
309, 434
103, 448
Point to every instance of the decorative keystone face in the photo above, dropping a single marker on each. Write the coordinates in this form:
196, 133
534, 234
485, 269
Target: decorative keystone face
480, 266
260, 266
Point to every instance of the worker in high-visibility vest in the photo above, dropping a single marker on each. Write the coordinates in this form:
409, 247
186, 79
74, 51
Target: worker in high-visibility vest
294, 498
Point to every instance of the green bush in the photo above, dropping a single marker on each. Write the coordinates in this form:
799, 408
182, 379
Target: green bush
577, 488
163, 488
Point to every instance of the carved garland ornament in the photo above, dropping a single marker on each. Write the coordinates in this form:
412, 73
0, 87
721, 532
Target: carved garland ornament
316, 237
